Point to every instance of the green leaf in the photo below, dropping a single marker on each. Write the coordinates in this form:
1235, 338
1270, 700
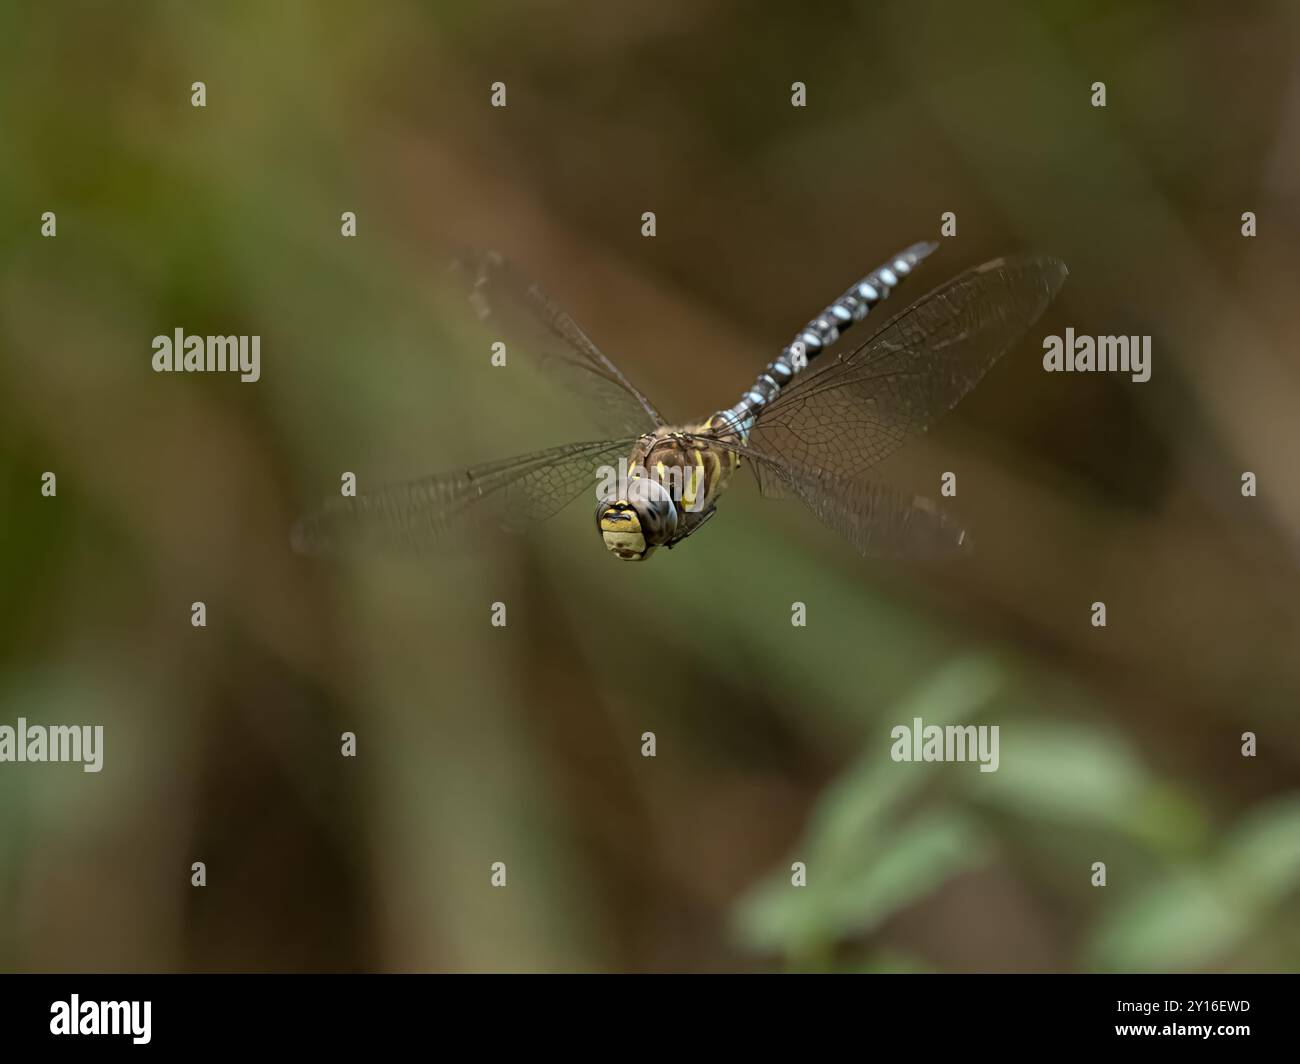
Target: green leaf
862, 868
1260, 860
849, 900
1184, 922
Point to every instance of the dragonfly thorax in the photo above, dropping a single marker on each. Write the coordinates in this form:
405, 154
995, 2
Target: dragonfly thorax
667, 489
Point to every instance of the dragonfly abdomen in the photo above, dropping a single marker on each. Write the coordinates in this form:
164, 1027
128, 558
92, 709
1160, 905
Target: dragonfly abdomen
820, 333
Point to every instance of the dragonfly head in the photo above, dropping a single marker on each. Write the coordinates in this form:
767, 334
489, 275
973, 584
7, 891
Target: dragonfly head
632, 527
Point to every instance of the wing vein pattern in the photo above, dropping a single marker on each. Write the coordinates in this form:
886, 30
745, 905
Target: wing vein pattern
851, 413
542, 329
877, 520
513, 494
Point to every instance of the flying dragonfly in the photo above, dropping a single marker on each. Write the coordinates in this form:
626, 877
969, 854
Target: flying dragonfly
811, 426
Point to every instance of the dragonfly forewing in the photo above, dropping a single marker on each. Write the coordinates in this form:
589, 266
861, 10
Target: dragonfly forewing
514, 494
533, 323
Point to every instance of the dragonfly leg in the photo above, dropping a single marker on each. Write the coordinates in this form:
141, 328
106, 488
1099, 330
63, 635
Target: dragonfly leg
694, 527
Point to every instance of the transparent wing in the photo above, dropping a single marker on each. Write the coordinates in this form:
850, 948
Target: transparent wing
513, 494
539, 327
879, 521
845, 416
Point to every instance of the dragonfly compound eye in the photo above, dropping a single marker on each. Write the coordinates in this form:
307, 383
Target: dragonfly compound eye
634, 526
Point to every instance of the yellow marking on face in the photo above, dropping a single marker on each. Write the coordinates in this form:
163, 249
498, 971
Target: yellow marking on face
621, 531
626, 544
615, 520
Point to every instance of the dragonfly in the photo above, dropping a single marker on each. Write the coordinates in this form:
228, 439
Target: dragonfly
812, 426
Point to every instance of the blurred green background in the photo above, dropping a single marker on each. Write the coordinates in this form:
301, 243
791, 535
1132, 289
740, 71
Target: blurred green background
522, 744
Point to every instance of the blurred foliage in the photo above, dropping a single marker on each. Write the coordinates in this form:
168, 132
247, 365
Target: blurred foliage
872, 852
